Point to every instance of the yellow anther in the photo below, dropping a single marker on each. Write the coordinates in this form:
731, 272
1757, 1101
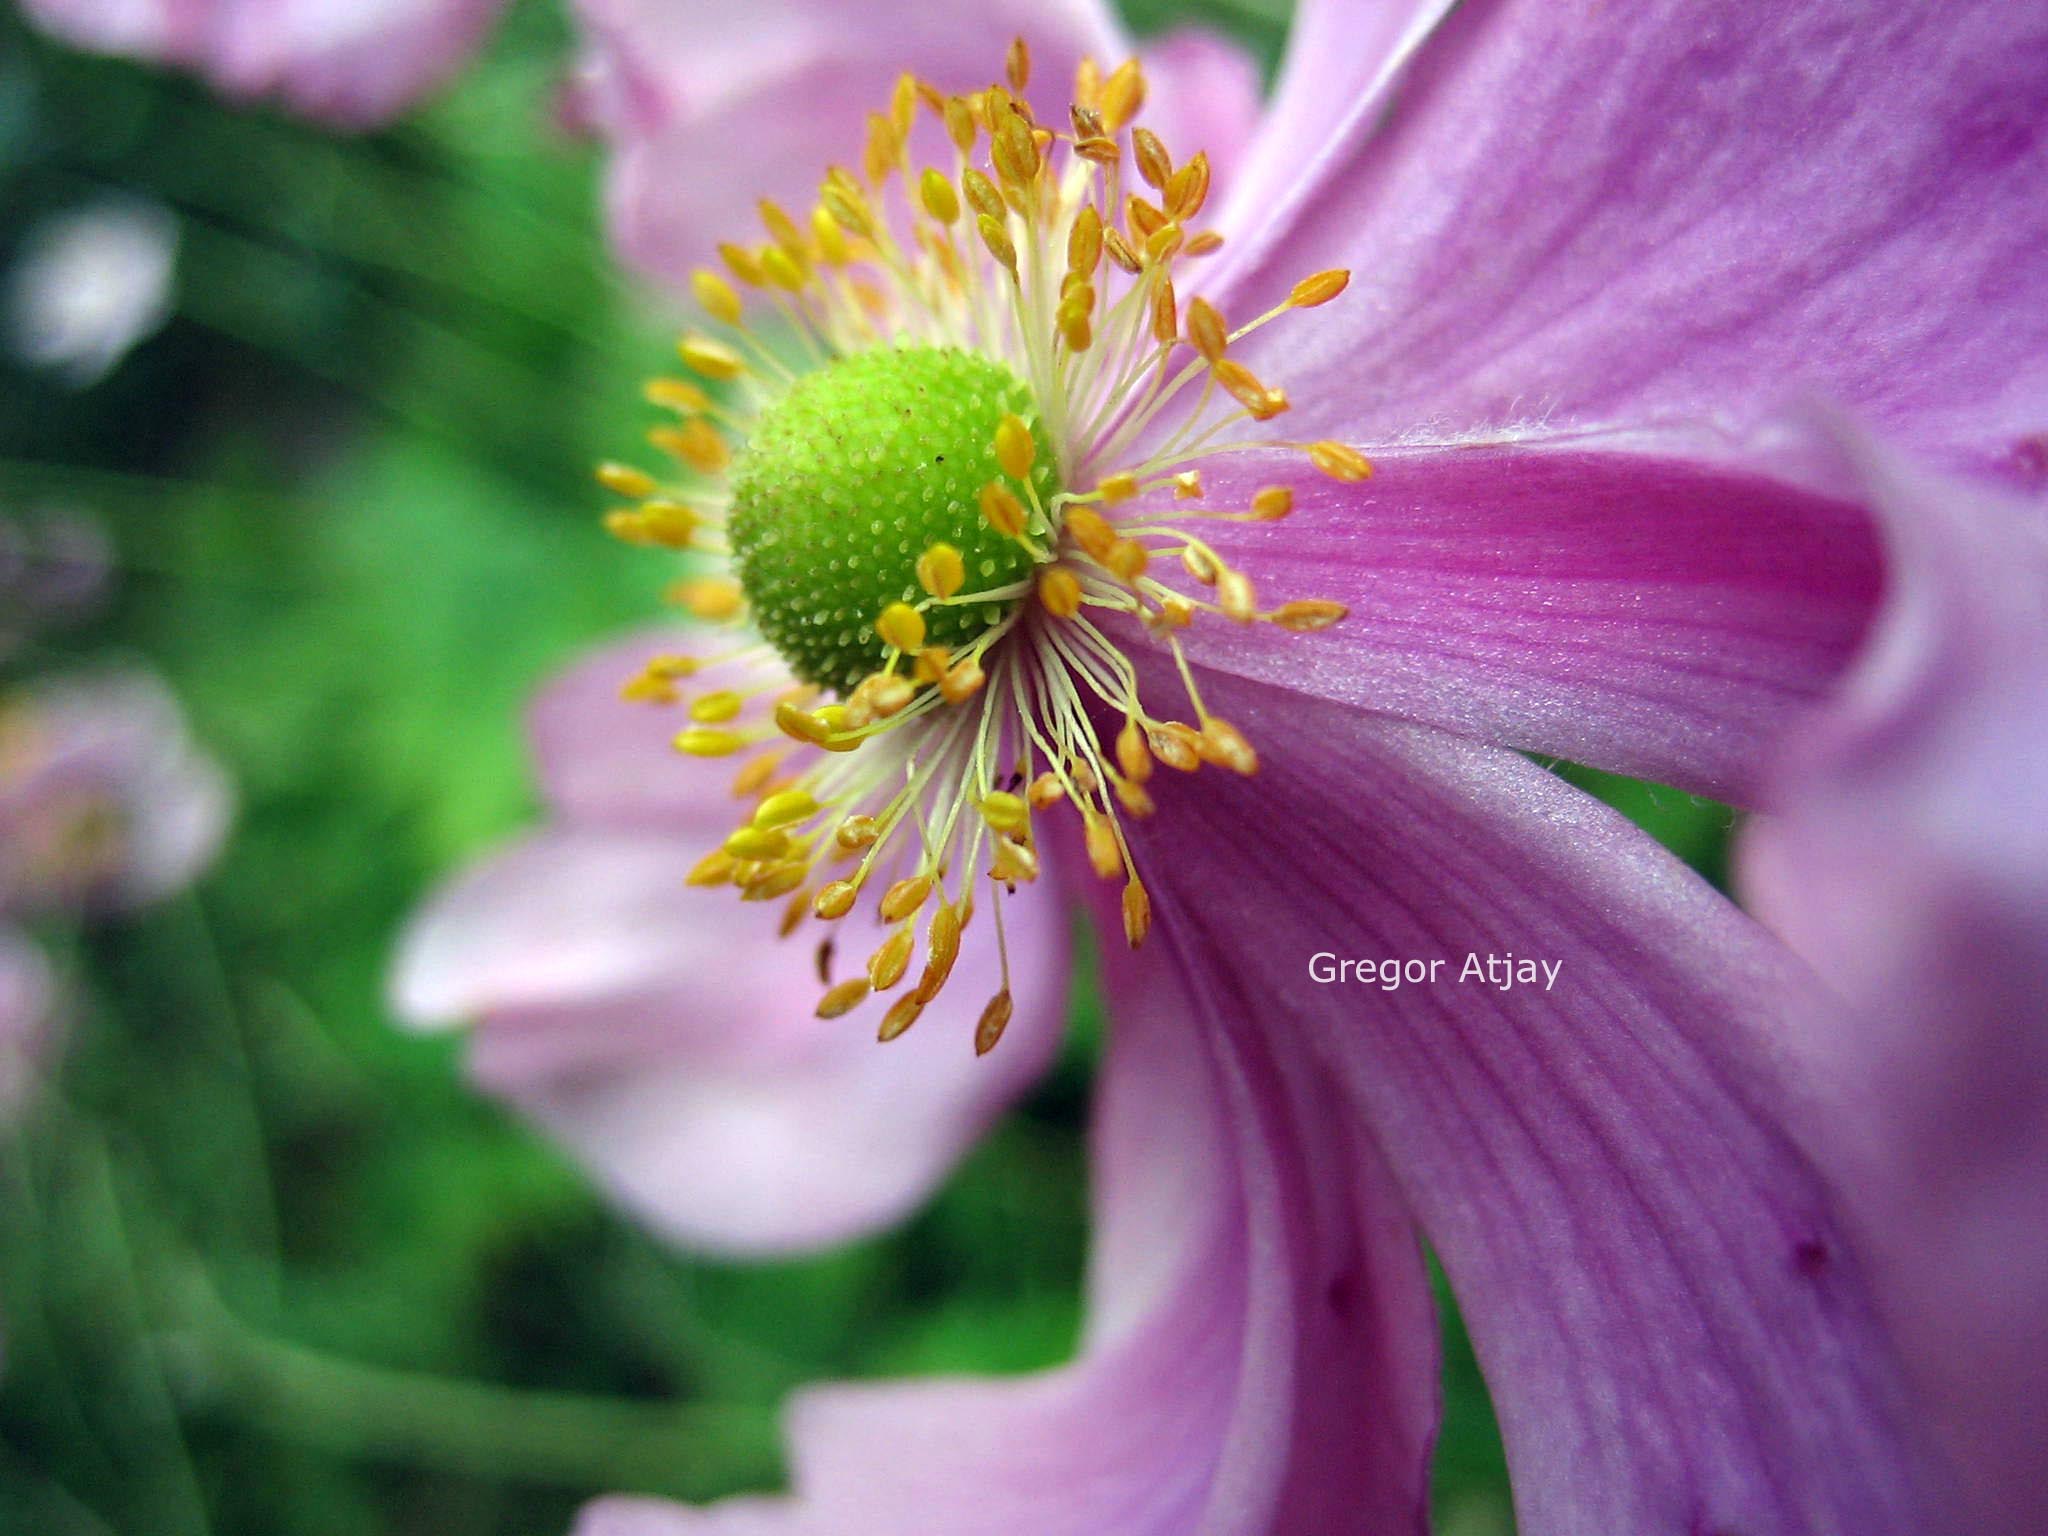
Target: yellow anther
848, 208
1012, 863
1245, 387
1118, 488
758, 843
1226, 746
1119, 251
716, 295
1207, 333
1088, 529
1134, 798
784, 270
1105, 854
1271, 503
1340, 461
1087, 93
1127, 559
1103, 151
1060, 591
716, 708
888, 963
997, 239
1189, 189
982, 194
856, 833
1045, 790
901, 626
677, 395
800, 724
661, 524
838, 725
1077, 328
711, 598
901, 1015
703, 742
931, 663
712, 359
1162, 245
962, 682
625, 480
1165, 313
1016, 449
1306, 615
941, 572
1137, 914
835, 900
942, 948
1154, 163
995, 1018
1187, 485
781, 228
844, 998
1017, 65
755, 775
1001, 509
1234, 593
890, 694
831, 237
1084, 242
903, 104
785, 809
1123, 95
741, 263
940, 200
960, 124
715, 868
697, 443
1014, 152
1207, 243
1142, 219
1200, 564
1005, 812
1176, 745
905, 897
1133, 756
1176, 612
1319, 288
774, 880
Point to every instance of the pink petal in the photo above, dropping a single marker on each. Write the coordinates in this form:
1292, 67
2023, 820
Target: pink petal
1259, 1352
1641, 613
603, 759
666, 1036
28, 1007
709, 107
1579, 214
351, 63
1910, 862
1659, 1283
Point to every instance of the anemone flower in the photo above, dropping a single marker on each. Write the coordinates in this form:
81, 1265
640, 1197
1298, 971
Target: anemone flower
349, 63
1002, 501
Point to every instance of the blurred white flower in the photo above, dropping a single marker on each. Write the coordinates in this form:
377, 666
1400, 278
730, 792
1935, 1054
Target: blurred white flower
91, 283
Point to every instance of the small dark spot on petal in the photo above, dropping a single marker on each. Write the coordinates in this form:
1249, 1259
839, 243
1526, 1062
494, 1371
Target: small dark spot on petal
1810, 1256
2030, 456
1343, 1294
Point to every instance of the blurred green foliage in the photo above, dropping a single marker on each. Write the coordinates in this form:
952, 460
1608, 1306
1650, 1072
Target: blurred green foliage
266, 1266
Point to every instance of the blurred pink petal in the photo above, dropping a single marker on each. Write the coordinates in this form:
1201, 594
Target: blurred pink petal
1910, 863
669, 1038
28, 1000
707, 108
1562, 218
1253, 1283
105, 800
351, 63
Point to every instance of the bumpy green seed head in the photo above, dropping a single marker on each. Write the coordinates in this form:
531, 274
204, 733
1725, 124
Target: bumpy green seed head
854, 474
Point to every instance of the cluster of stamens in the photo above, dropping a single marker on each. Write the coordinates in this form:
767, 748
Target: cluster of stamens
952, 349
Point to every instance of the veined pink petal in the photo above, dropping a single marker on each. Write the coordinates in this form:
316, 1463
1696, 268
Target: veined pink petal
1661, 1287
1253, 1286
1910, 863
1202, 95
667, 1037
1574, 214
709, 107
1640, 613
352, 63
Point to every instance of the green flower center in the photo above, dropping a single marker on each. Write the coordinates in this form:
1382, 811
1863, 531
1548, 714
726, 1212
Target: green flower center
850, 477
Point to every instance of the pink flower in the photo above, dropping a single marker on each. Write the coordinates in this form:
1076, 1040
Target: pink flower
1538, 460
351, 63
